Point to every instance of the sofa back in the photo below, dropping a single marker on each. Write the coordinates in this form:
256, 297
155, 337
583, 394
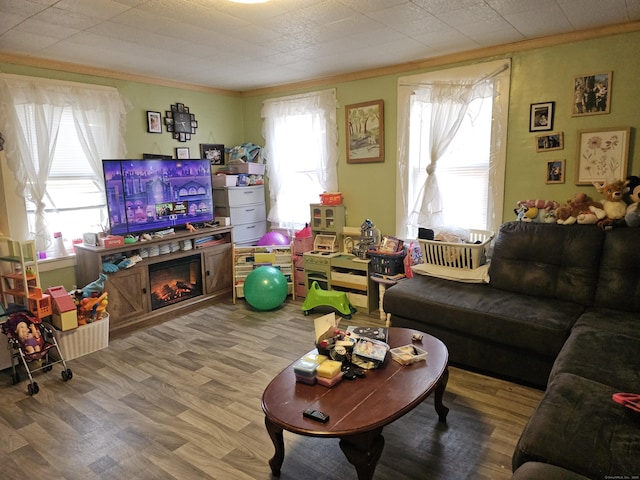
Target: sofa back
619, 280
547, 260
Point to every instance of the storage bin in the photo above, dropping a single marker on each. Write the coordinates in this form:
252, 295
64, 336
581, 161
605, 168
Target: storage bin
465, 256
224, 180
331, 198
387, 263
83, 340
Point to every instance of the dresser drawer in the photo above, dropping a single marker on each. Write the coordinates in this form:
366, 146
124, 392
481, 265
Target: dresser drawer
247, 214
238, 196
243, 234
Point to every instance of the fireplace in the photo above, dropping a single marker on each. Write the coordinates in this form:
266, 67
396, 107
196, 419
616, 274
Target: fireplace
175, 281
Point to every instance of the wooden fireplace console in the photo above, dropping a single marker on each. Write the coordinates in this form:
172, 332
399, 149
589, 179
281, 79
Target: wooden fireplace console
129, 289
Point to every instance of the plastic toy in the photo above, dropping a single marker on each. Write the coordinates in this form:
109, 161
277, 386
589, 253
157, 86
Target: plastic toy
265, 288
273, 238
317, 297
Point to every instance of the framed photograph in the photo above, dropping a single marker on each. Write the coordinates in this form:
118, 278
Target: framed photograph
365, 132
213, 152
182, 153
555, 171
154, 122
592, 94
603, 154
541, 116
552, 141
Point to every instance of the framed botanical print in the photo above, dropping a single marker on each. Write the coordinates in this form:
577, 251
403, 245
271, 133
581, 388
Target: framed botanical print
602, 155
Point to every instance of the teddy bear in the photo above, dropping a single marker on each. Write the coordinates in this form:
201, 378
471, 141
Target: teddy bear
581, 209
632, 215
613, 203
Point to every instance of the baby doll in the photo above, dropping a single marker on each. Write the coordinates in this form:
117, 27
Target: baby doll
29, 338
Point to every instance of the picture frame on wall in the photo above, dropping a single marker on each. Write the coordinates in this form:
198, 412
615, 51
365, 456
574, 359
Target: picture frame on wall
182, 153
603, 155
592, 94
154, 122
213, 152
555, 171
365, 132
551, 141
541, 116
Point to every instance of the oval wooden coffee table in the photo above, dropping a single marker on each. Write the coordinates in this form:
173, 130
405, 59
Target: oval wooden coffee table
358, 409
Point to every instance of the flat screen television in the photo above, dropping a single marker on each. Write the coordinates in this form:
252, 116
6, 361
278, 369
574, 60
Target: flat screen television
151, 195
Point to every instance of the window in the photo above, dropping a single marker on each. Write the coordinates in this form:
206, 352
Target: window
57, 134
452, 122
301, 152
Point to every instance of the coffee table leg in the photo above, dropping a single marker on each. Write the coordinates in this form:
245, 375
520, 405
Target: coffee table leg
439, 394
275, 432
363, 451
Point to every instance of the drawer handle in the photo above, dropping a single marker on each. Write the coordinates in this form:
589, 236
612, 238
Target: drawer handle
251, 226
249, 209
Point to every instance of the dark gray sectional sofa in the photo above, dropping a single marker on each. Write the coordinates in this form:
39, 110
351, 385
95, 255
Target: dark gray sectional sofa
561, 312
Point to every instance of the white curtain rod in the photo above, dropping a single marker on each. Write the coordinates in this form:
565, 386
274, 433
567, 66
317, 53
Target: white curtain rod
486, 77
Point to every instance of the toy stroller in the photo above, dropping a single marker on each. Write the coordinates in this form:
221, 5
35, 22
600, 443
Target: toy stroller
32, 342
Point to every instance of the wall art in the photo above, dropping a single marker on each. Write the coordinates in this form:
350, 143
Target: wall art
182, 153
541, 116
555, 171
592, 94
365, 132
154, 122
602, 155
551, 141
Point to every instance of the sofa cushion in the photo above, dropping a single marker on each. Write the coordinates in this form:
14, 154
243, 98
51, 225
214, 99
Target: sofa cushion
619, 281
547, 260
624, 323
523, 322
604, 356
577, 426
544, 471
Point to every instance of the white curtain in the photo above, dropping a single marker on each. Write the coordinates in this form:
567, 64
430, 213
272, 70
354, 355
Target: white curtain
448, 103
301, 152
30, 112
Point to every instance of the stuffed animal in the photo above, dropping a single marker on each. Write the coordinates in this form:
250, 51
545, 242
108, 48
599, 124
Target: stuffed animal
632, 215
613, 203
581, 209
535, 210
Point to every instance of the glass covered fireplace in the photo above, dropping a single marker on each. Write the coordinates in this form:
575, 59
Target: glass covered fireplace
175, 281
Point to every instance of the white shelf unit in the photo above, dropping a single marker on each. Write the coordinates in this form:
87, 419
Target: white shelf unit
245, 258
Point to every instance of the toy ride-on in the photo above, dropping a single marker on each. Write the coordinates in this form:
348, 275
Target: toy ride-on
317, 297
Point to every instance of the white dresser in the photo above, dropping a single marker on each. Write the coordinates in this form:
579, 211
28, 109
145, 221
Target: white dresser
246, 208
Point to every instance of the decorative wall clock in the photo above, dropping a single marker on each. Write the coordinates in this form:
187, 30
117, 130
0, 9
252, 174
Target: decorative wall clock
180, 122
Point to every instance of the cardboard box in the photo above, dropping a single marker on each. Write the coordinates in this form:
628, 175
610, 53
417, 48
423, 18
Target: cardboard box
249, 168
112, 241
224, 180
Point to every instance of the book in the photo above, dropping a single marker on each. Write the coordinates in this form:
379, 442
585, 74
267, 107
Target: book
375, 333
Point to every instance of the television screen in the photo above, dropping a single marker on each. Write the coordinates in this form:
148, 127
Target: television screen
155, 194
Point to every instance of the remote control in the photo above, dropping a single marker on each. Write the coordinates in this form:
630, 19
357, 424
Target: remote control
316, 415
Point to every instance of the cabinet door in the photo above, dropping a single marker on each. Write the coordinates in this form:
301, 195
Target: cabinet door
218, 268
128, 295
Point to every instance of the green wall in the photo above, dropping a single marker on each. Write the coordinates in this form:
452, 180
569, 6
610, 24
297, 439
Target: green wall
540, 75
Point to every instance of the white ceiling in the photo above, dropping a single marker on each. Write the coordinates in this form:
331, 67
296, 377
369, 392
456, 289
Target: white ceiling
225, 45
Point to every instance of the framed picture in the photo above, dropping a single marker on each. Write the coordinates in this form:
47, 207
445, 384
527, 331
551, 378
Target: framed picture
541, 116
365, 132
213, 152
592, 94
154, 122
602, 155
555, 171
552, 141
182, 153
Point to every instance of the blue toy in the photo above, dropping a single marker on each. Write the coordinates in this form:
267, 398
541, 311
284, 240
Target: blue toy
317, 297
265, 288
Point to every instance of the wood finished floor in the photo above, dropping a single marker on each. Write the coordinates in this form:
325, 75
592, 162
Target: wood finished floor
182, 400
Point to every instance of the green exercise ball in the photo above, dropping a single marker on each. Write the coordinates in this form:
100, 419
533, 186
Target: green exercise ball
265, 288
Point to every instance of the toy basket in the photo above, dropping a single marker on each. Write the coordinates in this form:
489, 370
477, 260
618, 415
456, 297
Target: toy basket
331, 198
387, 263
465, 256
